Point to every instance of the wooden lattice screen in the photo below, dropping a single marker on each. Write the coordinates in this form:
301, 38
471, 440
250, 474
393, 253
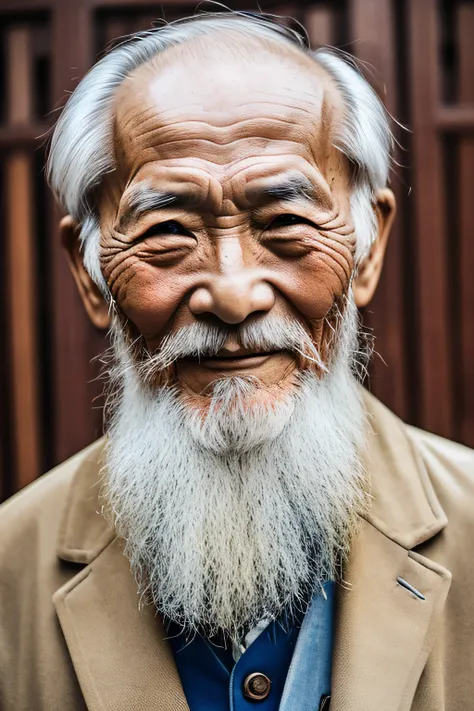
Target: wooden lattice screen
423, 313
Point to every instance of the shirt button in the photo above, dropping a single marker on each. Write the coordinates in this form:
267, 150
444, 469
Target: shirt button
257, 686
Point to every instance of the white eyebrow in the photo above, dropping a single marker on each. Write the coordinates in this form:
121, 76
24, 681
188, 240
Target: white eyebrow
142, 199
292, 188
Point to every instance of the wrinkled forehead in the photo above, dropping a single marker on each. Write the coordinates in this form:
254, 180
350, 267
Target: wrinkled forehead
221, 107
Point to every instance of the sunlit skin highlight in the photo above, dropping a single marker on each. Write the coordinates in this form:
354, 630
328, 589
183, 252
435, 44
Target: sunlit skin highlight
220, 137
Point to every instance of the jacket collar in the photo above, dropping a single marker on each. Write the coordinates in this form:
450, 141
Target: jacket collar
83, 531
120, 654
118, 647
404, 505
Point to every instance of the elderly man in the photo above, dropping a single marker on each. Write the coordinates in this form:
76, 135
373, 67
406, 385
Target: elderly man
255, 531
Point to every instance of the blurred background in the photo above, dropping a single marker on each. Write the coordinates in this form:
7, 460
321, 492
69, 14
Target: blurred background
422, 58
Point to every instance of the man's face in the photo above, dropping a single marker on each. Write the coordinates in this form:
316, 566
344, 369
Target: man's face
226, 231
229, 205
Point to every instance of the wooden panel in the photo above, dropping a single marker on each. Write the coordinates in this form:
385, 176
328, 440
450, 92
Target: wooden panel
465, 32
24, 355
21, 269
319, 25
6, 469
372, 33
19, 75
75, 341
436, 399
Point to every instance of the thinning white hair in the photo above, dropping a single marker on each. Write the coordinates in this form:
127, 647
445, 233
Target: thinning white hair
82, 153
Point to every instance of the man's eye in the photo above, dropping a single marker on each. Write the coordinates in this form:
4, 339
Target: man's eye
287, 221
170, 227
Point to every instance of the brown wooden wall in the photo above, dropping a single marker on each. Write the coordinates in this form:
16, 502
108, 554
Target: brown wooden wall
422, 52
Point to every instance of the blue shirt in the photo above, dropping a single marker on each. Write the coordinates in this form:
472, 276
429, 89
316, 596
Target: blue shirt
297, 661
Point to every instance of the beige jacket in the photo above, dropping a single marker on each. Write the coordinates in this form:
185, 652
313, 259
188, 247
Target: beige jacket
72, 637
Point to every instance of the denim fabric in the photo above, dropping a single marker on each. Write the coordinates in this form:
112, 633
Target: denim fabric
297, 661
309, 675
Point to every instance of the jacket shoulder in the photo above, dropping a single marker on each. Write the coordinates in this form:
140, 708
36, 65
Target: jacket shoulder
31, 641
40, 504
451, 460
450, 466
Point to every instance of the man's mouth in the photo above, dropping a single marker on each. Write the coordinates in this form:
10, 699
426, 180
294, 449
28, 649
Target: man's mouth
239, 359
269, 366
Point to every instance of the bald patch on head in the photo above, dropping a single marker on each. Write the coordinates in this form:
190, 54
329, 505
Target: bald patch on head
212, 56
248, 50
227, 82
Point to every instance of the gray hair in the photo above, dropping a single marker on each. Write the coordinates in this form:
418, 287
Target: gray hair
82, 152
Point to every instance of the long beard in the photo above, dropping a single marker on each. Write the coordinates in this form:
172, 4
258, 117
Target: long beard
234, 517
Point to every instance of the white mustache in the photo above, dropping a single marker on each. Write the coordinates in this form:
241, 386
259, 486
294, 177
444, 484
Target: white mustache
270, 333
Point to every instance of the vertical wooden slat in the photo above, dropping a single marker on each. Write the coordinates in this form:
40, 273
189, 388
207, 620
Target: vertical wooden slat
285, 13
19, 75
75, 341
318, 21
465, 37
373, 41
319, 25
21, 268
437, 407
5, 438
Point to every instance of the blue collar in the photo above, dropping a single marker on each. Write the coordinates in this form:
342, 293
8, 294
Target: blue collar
297, 661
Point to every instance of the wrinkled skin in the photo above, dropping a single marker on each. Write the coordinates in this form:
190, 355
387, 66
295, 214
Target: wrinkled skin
217, 132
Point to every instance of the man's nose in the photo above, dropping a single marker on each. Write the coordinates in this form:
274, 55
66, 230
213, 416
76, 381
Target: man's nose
235, 290
233, 297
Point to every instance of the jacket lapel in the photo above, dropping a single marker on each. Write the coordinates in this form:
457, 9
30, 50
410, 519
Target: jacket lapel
384, 632
119, 652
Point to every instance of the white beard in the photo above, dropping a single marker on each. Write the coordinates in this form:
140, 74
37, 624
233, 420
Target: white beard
233, 519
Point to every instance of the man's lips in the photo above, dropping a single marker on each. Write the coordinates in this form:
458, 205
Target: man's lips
233, 360
270, 367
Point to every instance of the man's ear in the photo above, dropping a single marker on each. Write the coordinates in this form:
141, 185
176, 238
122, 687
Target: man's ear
368, 276
94, 303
